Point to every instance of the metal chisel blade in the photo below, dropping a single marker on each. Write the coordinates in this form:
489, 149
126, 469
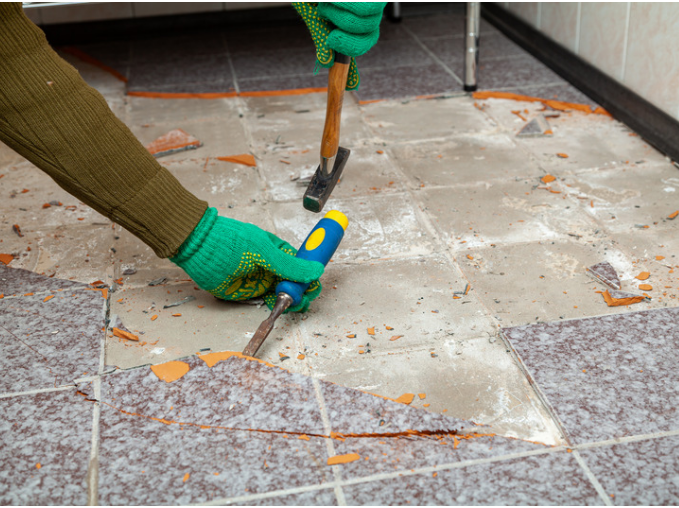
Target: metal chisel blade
283, 301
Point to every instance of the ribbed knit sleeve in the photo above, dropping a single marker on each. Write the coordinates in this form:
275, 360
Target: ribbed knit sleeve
50, 116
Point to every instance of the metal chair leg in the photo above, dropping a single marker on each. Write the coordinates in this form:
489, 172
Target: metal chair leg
471, 56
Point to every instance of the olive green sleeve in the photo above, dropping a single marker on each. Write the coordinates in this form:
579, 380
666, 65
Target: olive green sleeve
50, 116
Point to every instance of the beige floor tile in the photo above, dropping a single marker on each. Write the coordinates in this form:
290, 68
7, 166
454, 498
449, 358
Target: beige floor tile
546, 281
173, 112
414, 297
506, 212
625, 199
217, 326
75, 253
463, 160
218, 182
220, 137
393, 121
366, 172
380, 226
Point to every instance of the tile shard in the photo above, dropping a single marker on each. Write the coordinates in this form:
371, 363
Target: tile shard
177, 140
343, 459
170, 371
245, 159
617, 298
604, 272
537, 127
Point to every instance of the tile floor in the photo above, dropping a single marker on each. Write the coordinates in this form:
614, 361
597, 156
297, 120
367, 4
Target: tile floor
471, 272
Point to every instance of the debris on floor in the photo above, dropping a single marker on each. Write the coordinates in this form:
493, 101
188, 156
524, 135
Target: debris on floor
245, 159
177, 140
537, 127
604, 272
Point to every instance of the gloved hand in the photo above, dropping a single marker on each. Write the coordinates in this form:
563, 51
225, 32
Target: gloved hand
234, 260
356, 30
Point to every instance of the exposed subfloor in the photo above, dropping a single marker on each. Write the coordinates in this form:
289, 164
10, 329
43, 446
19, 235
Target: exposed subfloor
462, 278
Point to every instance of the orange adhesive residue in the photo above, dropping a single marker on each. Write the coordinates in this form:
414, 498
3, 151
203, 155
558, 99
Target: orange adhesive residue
643, 276
154, 317
673, 215
48, 298
558, 105
371, 331
212, 359
406, 398
301, 356
6, 259
170, 371
125, 335
186, 477
38, 465
304, 437
562, 155
343, 459
547, 178
245, 158
645, 287
616, 302
173, 140
659, 258
103, 291
422, 396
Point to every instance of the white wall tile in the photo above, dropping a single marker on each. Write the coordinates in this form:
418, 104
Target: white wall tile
602, 35
74, 13
652, 66
527, 11
559, 20
34, 14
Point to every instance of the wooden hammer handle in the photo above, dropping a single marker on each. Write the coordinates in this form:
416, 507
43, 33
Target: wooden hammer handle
337, 82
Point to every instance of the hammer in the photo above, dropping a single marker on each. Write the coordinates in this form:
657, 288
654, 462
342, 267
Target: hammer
333, 156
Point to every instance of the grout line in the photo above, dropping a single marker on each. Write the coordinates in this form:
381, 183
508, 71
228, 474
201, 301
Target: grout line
432, 55
34, 392
625, 43
268, 495
231, 66
595, 483
339, 493
626, 439
93, 469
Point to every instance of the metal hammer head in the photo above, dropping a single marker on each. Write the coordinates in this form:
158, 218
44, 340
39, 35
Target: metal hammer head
324, 180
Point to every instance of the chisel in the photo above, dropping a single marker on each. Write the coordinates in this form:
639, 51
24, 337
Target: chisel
320, 246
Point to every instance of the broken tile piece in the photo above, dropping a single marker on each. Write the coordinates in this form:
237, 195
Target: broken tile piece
406, 398
170, 371
177, 140
537, 127
245, 159
6, 258
123, 334
605, 273
643, 276
615, 298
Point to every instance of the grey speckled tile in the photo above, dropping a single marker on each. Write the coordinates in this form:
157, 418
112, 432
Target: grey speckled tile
45, 442
325, 497
355, 412
638, 473
50, 343
18, 281
155, 433
550, 479
607, 376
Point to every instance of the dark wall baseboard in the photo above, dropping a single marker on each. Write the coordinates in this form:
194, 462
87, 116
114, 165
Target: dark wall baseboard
654, 125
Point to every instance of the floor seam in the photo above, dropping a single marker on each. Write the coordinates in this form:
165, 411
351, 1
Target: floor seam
339, 493
593, 479
432, 55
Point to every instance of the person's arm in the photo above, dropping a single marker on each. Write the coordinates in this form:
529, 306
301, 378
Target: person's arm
49, 115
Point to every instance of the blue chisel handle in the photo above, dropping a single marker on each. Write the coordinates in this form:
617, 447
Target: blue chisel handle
319, 246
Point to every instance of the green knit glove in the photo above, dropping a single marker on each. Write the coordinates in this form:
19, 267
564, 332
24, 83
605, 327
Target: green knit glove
234, 260
357, 28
